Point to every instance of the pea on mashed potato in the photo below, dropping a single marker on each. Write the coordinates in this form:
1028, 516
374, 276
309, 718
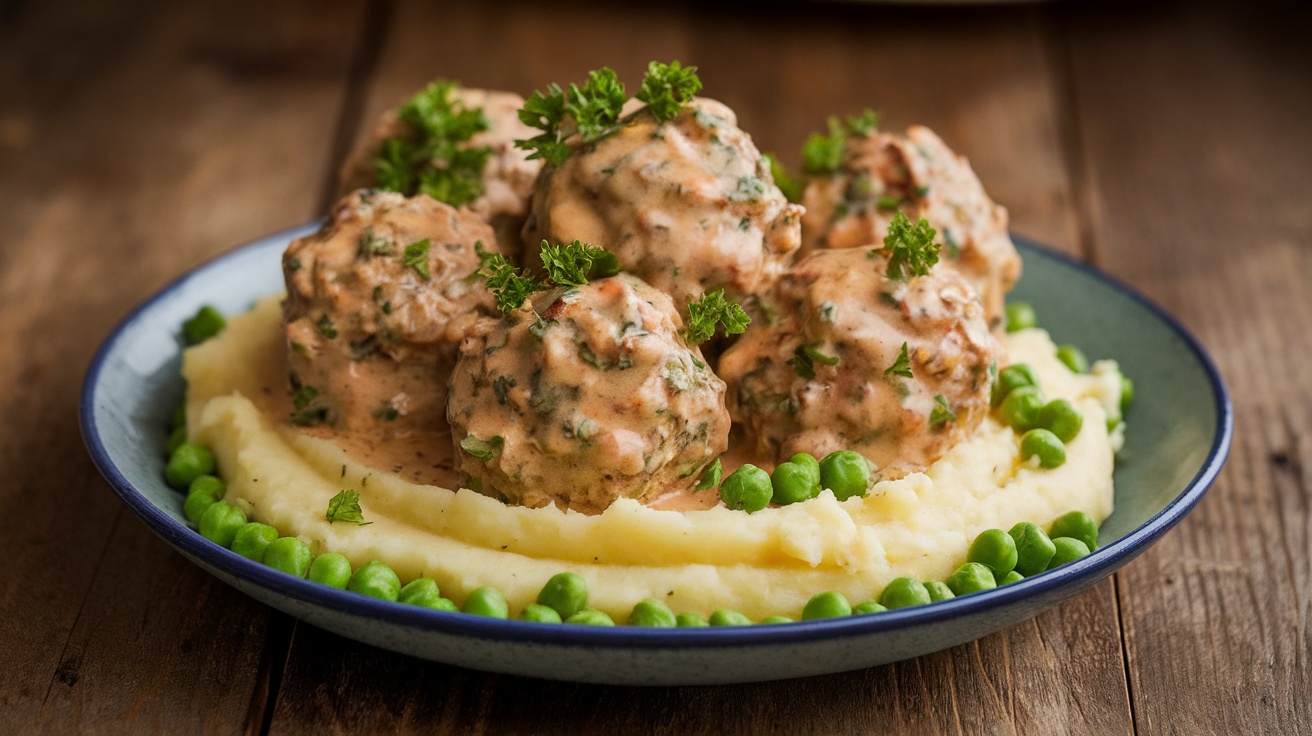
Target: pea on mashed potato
764, 563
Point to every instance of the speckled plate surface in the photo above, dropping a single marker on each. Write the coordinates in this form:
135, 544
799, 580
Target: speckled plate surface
1178, 437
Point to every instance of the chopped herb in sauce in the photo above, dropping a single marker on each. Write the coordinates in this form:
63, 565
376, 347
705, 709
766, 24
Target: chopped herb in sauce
345, 506
711, 477
387, 412
482, 449
373, 245
326, 328
501, 387
805, 357
889, 202
306, 413
901, 366
416, 257
827, 311
942, 413
749, 189
539, 328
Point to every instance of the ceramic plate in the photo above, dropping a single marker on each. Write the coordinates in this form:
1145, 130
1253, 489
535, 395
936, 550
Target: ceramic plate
1179, 434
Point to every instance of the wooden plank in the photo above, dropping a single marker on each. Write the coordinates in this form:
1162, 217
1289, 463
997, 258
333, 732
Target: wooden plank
1194, 127
983, 79
136, 139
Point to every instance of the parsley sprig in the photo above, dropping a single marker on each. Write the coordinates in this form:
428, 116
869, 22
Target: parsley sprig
901, 366
666, 87
823, 154
710, 310
434, 156
577, 263
942, 413
345, 506
593, 110
509, 286
911, 250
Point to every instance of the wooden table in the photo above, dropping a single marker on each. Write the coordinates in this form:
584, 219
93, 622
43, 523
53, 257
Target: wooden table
1168, 145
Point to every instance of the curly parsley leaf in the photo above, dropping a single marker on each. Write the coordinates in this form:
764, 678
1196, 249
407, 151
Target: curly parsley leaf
345, 506
791, 187
805, 357
666, 87
577, 263
433, 156
911, 250
593, 108
863, 124
508, 285
710, 310
901, 366
942, 413
823, 154
416, 257
482, 449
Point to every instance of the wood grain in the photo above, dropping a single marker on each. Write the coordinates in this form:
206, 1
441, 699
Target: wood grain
136, 139
983, 80
1195, 129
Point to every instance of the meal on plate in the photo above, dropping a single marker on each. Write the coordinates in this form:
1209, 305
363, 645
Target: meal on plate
590, 358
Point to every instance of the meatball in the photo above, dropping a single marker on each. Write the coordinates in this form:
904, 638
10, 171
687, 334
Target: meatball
583, 396
687, 204
507, 178
917, 173
830, 373
377, 303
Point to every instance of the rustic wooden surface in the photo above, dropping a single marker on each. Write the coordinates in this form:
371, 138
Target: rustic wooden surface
1167, 144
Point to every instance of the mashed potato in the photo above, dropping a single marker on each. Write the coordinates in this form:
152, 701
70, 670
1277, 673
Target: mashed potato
769, 562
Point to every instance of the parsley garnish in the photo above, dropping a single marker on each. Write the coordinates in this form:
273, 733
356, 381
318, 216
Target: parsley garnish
667, 86
712, 309
909, 248
509, 286
865, 123
416, 257
710, 477
594, 109
901, 366
577, 263
791, 187
434, 157
941, 414
373, 245
306, 414
345, 506
823, 154
326, 327
482, 449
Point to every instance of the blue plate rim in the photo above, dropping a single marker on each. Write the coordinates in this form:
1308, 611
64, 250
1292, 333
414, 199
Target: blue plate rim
1085, 571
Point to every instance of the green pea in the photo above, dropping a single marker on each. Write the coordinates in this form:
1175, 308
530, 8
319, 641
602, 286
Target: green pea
376, 580
971, 577
1033, 548
331, 569
590, 617
566, 593
904, 592
807, 459
220, 523
868, 607
1127, 392
1074, 358
420, 592
1069, 549
1043, 443
1011, 378
830, 604
1011, 577
538, 613
176, 438
486, 601
445, 604
994, 549
1077, 525
938, 591
188, 462
727, 617
652, 612
206, 323
776, 620
289, 555
204, 491
690, 621
1021, 316
748, 488
179, 416
1021, 408
1060, 417
252, 539
846, 473
793, 483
